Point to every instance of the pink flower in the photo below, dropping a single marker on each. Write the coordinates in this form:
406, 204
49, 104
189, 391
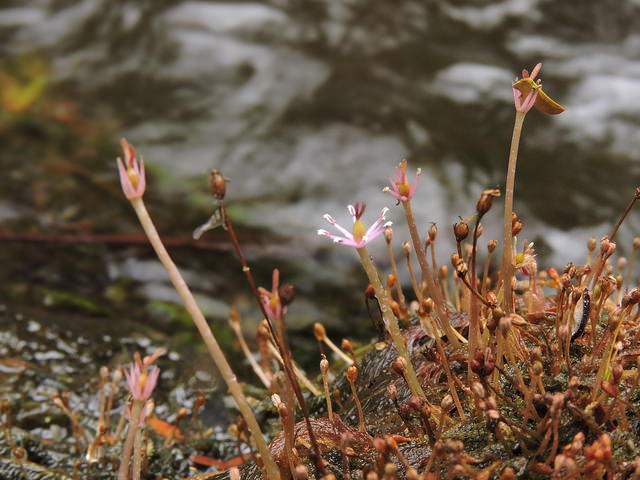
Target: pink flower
360, 236
270, 299
401, 188
142, 379
531, 97
132, 175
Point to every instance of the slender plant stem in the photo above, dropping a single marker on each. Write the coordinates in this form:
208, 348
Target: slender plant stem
209, 339
136, 410
401, 299
136, 468
285, 353
427, 275
390, 321
475, 338
507, 254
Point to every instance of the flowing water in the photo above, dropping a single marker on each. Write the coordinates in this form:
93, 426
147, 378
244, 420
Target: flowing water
307, 106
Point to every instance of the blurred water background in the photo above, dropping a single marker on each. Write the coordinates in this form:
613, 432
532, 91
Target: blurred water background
307, 106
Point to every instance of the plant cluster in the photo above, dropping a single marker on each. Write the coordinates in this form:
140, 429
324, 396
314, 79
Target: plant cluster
543, 364
505, 371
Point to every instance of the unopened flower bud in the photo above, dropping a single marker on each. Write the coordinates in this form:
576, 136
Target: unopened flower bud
433, 231
234, 317
324, 365
415, 403
461, 231
592, 244
478, 390
392, 391
388, 234
406, 247
516, 228
352, 373
428, 305
444, 270
391, 280
492, 298
492, 245
319, 331
218, 185
369, 292
446, 402
399, 365
616, 373
485, 201
287, 293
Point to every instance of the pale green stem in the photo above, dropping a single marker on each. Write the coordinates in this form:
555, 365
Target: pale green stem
136, 410
210, 341
507, 270
427, 276
390, 321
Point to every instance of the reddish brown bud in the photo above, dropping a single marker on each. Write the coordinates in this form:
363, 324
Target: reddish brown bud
218, 185
485, 201
461, 231
428, 305
399, 365
516, 228
352, 373
492, 299
391, 280
492, 245
369, 292
287, 294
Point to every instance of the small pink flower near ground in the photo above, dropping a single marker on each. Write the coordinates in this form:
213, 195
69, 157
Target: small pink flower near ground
132, 174
360, 236
142, 379
401, 188
271, 299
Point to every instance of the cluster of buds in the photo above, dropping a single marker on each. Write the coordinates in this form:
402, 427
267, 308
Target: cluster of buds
483, 363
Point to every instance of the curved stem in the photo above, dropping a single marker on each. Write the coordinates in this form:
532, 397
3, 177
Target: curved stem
506, 272
207, 335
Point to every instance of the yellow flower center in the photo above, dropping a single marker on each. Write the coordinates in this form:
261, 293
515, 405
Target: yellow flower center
274, 302
404, 189
143, 380
133, 177
358, 231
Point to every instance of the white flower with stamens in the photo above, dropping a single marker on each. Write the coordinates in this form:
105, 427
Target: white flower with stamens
360, 236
